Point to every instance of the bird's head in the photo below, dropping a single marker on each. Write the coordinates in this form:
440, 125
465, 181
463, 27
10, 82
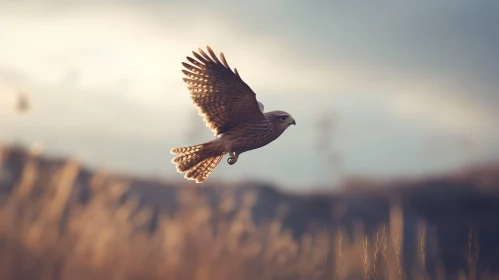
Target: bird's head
281, 119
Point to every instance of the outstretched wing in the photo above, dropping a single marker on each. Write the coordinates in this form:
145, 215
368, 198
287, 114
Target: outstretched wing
222, 97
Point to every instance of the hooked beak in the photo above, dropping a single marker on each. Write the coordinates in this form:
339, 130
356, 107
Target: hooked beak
293, 122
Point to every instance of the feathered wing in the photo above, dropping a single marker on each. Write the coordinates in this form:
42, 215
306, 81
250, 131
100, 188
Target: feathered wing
222, 97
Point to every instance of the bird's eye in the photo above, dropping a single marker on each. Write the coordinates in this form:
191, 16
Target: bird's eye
284, 118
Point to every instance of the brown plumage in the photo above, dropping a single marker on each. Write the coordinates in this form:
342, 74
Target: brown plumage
230, 110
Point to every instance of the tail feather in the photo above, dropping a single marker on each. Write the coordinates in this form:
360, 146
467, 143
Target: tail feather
186, 150
203, 169
197, 161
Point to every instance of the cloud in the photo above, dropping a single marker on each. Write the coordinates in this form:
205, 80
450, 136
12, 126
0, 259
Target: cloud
111, 70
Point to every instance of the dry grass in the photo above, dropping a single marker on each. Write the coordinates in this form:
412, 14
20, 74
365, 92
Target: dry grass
42, 238
422, 250
473, 252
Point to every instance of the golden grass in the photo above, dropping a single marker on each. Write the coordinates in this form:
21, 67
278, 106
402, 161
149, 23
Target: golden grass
43, 238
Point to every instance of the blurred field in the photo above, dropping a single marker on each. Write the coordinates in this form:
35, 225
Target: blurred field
59, 220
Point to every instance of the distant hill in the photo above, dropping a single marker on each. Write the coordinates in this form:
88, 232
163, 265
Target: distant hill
449, 205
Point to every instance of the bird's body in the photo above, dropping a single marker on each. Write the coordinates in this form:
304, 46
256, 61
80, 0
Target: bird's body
262, 133
231, 110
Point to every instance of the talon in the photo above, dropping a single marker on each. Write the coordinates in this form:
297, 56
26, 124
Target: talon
231, 160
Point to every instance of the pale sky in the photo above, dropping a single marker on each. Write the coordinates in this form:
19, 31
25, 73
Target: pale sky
411, 84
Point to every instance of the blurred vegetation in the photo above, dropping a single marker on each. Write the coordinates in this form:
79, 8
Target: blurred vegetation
59, 220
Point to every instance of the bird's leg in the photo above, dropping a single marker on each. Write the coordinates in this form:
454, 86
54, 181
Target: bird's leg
233, 158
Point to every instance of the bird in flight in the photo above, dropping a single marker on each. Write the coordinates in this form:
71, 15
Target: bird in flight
230, 110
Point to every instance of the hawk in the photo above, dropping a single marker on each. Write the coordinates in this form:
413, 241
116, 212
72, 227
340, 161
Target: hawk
230, 109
